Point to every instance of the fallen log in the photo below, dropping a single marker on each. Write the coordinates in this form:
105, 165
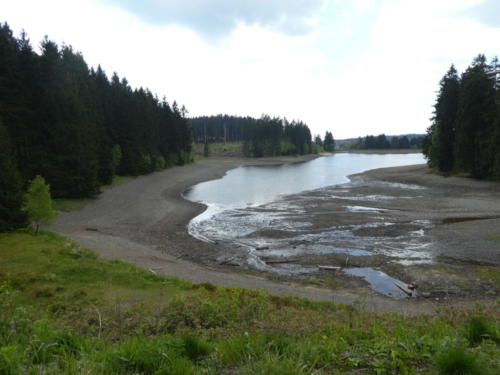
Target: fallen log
272, 261
329, 268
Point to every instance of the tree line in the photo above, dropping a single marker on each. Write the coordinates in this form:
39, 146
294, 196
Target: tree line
266, 136
465, 133
75, 127
383, 142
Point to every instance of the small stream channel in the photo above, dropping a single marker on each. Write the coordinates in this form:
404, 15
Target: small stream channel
267, 213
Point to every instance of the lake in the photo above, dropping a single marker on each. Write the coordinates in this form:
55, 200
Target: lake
257, 185
270, 223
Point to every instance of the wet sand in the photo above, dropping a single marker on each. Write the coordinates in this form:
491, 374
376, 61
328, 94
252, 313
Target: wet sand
144, 222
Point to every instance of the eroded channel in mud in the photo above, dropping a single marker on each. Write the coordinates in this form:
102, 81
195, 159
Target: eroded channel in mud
339, 226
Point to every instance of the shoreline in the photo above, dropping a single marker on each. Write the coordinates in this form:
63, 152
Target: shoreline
144, 222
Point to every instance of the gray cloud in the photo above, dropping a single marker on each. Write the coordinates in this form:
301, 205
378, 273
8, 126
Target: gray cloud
487, 13
216, 18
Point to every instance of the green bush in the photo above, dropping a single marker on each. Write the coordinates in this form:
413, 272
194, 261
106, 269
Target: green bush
477, 329
457, 361
195, 347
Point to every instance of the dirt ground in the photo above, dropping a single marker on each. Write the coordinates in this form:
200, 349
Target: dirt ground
144, 222
439, 234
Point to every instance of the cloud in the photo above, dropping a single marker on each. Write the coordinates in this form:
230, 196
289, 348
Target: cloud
488, 13
217, 18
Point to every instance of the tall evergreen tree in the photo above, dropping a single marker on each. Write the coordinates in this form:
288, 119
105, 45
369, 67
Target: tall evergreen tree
66, 120
474, 148
11, 187
329, 142
441, 153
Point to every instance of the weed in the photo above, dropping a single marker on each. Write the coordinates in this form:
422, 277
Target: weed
178, 366
138, 355
477, 329
10, 360
195, 347
493, 237
457, 361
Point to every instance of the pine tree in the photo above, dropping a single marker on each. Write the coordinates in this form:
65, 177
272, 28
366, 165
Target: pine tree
329, 142
38, 204
474, 147
11, 187
445, 122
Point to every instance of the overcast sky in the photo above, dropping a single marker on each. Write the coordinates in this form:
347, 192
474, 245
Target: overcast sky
354, 67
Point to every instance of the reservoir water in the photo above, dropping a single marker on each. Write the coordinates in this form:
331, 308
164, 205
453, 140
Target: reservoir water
257, 185
270, 217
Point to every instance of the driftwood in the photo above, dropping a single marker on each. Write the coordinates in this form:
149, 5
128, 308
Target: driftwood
272, 261
329, 268
92, 229
226, 261
262, 248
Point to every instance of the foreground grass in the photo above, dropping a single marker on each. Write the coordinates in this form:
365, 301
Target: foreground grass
63, 310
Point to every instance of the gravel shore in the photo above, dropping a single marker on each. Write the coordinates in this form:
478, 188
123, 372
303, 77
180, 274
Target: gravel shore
144, 222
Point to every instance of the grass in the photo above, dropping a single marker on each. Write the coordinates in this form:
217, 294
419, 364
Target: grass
458, 361
73, 204
234, 149
63, 310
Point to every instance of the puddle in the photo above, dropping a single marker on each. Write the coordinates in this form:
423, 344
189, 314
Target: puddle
364, 198
379, 281
363, 209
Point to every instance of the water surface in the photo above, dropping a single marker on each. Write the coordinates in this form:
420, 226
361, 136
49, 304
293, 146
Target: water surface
272, 223
256, 185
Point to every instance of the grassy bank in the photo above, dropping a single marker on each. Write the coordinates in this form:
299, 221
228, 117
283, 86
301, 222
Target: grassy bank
63, 310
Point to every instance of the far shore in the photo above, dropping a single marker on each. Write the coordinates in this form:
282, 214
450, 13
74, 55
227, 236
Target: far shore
381, 152
144, 222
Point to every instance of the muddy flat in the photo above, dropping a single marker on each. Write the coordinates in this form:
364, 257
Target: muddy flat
144, 222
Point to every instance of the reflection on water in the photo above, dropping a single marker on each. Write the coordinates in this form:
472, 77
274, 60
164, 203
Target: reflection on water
256, 185
381, 282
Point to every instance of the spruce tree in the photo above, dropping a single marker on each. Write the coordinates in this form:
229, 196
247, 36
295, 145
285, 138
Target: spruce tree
11, 187
329, 142
445, 122
474, 147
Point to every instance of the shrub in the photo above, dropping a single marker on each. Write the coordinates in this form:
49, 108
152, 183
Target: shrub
477, 329
457, 361
195, 348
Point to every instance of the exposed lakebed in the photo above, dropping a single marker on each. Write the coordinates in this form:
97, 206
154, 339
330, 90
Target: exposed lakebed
307, 219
